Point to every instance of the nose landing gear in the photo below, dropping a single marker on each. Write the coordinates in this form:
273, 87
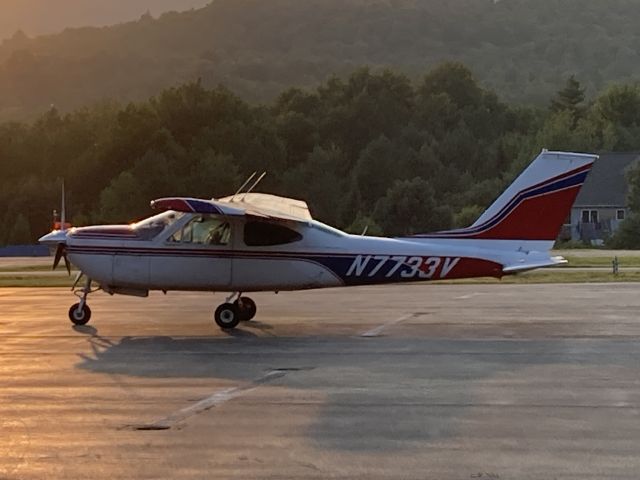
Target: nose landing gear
80, 313
230, 314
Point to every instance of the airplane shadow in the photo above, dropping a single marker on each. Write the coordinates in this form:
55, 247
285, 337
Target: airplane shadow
399, 391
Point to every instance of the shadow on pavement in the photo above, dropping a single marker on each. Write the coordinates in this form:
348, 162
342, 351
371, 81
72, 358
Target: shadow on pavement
382, 393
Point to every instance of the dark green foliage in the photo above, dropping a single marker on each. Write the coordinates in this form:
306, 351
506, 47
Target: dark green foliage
570, 98
113, 207
322, 181
628, 235
467, 216
372, 149
19, 232
409, 207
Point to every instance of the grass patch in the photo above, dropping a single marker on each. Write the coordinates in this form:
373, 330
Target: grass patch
576, 261
555, 276
30, 268
36, 281
538, 276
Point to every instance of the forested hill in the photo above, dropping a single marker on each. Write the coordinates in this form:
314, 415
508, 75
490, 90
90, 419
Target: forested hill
37, 17
524, 49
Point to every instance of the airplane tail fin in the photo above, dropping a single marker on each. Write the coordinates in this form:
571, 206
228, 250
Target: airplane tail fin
534, 207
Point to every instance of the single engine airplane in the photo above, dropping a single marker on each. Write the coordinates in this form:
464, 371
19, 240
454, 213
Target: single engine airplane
253, 242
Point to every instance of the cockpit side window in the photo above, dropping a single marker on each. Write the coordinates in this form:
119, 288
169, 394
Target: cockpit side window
264, 234
204, 230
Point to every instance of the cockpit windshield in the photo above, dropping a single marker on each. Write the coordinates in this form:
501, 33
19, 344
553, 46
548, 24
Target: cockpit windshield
150, 227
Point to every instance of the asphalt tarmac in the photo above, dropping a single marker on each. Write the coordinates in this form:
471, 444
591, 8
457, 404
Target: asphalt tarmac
416, 382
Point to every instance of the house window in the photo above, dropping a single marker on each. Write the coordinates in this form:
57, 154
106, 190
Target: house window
620, 215
589, 216
585, 216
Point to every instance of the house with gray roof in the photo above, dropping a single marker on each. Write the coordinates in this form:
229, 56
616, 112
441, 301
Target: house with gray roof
601, 205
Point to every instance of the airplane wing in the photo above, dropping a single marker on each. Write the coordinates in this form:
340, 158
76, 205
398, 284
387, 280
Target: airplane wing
525, 266
270, 205
251, 204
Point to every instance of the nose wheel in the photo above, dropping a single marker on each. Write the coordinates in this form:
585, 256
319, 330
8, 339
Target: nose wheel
230, 314
80, 313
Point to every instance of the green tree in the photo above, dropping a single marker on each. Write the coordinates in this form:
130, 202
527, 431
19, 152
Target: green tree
366, 107
213, 175
122, 201
20, 232
454, 80
620, 104
570, 98
323, 182
409, 207
467, 216
379, 164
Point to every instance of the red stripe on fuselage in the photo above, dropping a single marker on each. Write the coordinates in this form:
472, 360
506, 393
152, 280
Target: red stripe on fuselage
473, 268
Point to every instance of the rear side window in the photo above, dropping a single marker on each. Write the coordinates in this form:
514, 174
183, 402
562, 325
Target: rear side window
262, 234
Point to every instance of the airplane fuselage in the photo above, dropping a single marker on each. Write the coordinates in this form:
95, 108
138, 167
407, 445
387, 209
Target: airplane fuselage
321, 257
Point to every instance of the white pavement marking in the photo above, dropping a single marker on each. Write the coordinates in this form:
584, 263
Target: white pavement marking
214, 400
375, 332
466, 297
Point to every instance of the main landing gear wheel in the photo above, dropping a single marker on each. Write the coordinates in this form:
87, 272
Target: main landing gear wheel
80, 315
247, 308
227, 316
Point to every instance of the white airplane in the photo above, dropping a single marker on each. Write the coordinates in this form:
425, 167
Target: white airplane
255, 242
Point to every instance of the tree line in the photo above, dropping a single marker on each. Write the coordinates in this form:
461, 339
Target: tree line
372, 150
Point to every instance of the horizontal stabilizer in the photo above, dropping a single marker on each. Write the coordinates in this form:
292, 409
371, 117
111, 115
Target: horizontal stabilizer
525, 266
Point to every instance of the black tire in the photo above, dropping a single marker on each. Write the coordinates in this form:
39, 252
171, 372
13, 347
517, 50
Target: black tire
227, 316
82, 317
247, 308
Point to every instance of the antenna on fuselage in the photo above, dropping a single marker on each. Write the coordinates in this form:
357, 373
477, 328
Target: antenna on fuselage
255, 184
243, 185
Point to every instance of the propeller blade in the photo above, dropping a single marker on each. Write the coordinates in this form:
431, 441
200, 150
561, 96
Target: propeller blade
59, 252
66, 262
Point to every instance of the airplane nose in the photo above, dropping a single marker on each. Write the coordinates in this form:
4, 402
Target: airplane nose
54, 238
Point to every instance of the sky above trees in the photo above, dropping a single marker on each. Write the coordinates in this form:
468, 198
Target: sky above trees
38, 17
